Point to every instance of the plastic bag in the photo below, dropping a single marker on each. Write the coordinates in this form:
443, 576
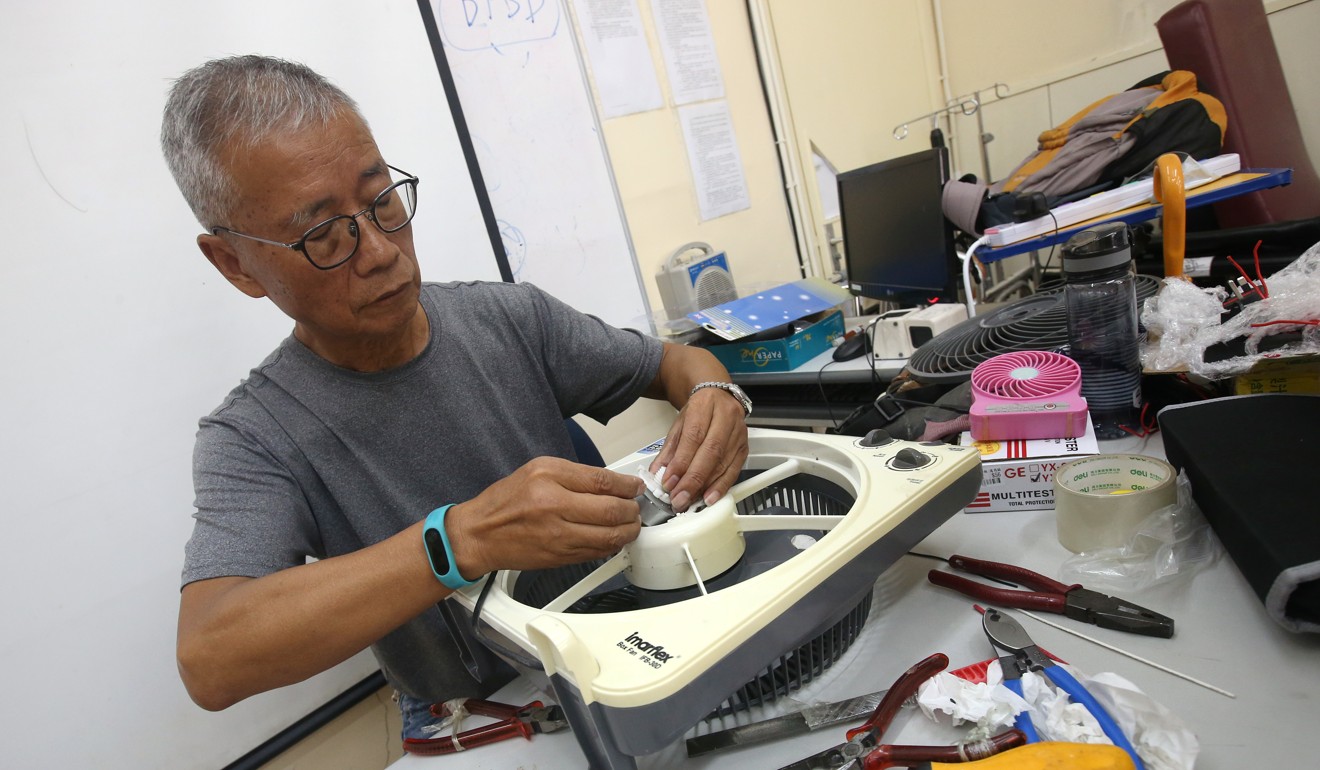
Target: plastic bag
1171, 544
1184, 320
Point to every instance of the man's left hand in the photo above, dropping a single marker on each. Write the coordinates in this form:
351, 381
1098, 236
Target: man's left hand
705, 449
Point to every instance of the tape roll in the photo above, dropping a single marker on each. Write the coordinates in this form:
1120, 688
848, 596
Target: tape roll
1100, 501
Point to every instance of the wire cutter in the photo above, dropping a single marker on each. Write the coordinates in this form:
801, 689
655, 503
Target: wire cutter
1007, 634
1051, 596
535, 717
860, 752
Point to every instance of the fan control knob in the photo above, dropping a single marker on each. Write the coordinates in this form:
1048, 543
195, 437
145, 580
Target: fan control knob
876, 437
910, 459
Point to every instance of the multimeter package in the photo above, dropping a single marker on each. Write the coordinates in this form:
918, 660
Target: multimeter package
1251, 461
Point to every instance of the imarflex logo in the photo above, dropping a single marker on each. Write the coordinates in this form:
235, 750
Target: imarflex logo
655, 651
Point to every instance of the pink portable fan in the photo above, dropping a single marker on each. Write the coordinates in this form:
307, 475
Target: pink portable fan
1027, 394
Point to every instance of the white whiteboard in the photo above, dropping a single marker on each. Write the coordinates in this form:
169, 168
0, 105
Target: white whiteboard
532, 119
118, 335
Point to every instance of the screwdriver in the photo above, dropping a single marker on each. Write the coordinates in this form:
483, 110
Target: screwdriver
1047, 756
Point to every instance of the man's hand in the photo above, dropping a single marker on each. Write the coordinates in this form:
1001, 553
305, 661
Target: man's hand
707, 444
705, 449
548, 513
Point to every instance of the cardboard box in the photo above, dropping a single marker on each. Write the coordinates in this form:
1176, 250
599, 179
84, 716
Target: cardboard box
1289, 374
1018, 475
781, 355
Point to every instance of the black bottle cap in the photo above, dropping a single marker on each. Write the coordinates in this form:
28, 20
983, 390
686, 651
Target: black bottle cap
1098, 248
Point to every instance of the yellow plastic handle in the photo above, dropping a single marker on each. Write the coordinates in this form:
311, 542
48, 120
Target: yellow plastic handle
1171, 191
1051, 756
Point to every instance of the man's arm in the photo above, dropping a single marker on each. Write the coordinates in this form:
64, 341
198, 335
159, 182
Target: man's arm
707, 444
239, 636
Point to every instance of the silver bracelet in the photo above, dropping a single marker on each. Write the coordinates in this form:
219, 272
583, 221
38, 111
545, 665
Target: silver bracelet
731, 389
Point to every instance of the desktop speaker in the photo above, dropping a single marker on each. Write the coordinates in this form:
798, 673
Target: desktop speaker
693, 278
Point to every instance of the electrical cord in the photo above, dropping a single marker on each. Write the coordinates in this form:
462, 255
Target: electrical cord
869, 331
967, 274
1053, 246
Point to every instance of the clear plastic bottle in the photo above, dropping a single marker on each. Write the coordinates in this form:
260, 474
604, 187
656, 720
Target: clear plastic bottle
1103, 333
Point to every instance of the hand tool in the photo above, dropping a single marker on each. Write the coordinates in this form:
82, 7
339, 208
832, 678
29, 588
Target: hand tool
862, 739
860, 751
1045, 756
535, 717
1007, 634
807, 720
1049, 595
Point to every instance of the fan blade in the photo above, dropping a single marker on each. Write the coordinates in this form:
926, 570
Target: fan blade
612, 566
772, 522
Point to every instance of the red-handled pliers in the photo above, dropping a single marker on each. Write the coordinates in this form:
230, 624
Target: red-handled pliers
1051, 596
514, 721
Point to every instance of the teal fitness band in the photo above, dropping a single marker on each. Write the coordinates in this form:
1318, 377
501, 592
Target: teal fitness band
439, 552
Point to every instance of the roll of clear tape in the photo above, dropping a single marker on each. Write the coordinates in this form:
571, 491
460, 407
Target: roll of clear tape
1099, 501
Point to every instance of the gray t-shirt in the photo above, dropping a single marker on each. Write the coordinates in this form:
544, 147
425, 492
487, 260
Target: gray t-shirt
306, 459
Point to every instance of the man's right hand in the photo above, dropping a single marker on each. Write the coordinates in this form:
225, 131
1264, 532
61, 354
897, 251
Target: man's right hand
548, 513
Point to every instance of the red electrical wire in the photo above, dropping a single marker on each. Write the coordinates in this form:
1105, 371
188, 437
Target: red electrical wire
1247, 278
1147, 428
1255, 254
1310, 322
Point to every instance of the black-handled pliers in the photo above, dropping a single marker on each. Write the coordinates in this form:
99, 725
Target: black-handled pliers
1049, 595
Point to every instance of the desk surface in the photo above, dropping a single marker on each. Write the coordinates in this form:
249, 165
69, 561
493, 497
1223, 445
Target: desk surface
823, 368
1223, 637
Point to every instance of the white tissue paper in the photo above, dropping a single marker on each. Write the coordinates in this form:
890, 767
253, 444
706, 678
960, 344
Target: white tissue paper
1161, 739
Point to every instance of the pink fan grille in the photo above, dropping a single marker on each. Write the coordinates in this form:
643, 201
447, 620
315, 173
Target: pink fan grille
1027, 394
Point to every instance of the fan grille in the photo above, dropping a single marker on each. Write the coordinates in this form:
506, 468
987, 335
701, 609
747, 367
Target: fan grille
801, 494
1038, 322
1031, 374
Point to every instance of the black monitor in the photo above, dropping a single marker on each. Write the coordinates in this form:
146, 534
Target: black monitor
897, 245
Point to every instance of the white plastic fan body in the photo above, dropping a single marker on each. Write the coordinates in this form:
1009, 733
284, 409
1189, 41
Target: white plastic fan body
641, 677
1025, 395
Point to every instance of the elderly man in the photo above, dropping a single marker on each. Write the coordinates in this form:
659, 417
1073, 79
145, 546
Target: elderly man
409, 436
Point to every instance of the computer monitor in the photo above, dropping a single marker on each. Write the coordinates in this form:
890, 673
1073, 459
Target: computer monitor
897, 245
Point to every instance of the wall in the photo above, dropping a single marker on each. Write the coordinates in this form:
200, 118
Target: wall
1092, 49
854, 70
652, 172
653, 175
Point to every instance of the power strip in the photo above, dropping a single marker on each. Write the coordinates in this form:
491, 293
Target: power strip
1109, 201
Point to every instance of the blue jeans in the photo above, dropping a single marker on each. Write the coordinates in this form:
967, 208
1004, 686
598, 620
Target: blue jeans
417, 716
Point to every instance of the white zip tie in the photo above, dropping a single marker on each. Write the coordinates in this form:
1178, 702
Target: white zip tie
1133, 656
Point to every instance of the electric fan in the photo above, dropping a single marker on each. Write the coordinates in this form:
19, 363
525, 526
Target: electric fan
1027, 394
1037, 322
737, 603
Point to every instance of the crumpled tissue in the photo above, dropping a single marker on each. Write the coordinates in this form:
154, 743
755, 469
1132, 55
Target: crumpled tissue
1161, 739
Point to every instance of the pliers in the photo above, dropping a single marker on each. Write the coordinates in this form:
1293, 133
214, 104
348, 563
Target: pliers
1051, 596
860, 752
1007, 634
535, 717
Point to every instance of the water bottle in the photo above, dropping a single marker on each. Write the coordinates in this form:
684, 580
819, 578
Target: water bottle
1103, 336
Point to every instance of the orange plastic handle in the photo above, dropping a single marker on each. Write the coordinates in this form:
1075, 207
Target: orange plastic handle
1171, 191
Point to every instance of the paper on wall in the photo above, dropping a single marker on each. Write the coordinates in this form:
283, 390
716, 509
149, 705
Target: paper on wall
717, 170
689, 50
620, 58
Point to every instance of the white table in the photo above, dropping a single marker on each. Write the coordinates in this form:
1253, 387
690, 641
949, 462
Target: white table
1223, 637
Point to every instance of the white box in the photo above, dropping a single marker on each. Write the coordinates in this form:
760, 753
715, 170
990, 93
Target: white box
899, 333
1018, 475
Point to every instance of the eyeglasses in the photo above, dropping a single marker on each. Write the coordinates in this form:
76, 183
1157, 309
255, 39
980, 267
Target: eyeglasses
334, 241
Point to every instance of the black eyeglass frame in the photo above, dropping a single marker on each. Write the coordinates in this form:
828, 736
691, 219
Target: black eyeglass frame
300, 245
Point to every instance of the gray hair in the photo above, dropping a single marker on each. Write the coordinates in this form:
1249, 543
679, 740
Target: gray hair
242, 99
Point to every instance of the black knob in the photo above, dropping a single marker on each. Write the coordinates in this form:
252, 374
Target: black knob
877, 437
910, 459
